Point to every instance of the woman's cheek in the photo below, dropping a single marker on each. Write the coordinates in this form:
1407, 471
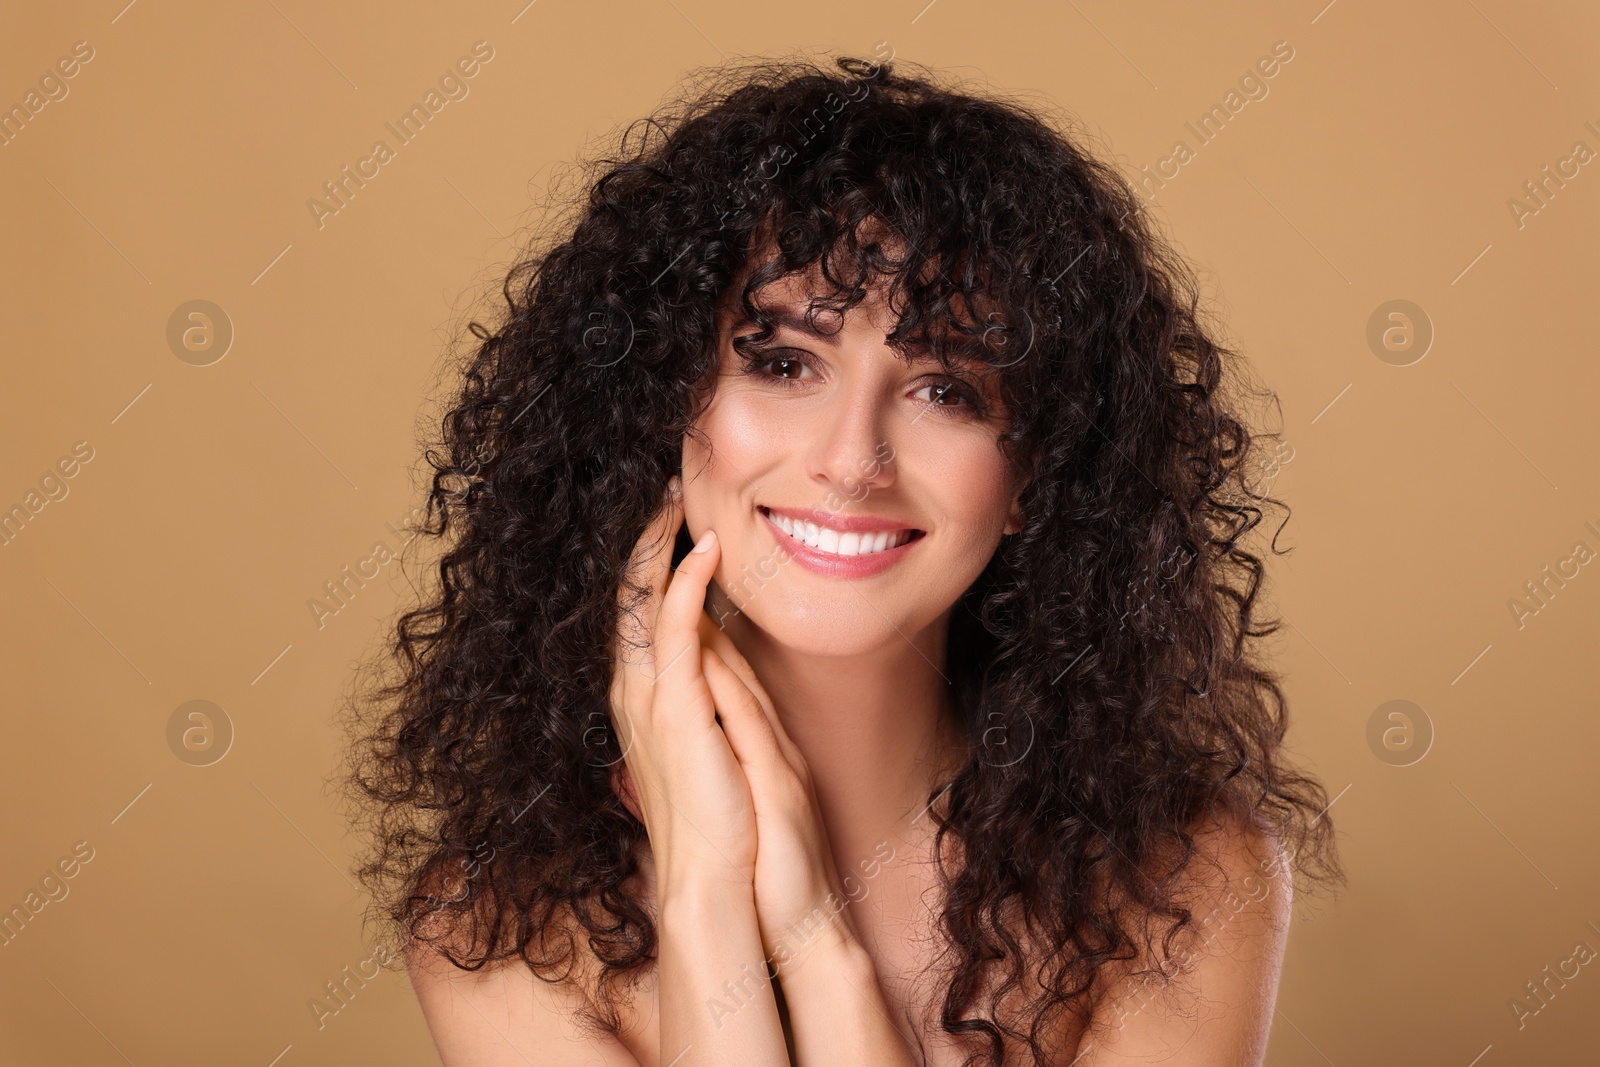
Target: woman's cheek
712, 449
980, 504
739, 426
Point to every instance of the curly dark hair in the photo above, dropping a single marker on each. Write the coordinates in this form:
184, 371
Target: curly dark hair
1111, 640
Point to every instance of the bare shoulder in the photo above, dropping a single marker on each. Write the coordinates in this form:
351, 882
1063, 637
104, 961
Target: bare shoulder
503, 1014
1217, 1004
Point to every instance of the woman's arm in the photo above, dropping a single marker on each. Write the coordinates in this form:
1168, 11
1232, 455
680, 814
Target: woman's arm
837, 1010
717, 1006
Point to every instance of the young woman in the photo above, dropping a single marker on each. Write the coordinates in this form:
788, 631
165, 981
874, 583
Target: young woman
947, 742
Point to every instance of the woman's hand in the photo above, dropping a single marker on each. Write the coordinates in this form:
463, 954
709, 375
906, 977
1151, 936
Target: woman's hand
799, 902
708, 763
680, 776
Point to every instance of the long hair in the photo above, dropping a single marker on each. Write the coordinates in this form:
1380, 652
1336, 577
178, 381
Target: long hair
1104, 663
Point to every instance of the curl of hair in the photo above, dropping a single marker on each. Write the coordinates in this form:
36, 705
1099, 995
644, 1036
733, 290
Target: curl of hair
1108, 644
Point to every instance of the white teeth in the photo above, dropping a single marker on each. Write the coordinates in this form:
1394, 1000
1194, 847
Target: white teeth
839, 544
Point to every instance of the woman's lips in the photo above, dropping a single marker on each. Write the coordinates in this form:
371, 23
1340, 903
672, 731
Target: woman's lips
826, 559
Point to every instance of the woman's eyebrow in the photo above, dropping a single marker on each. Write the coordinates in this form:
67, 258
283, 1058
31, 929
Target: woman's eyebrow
958, 347
962, 348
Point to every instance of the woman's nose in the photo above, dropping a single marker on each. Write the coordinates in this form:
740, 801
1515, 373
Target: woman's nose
851, 452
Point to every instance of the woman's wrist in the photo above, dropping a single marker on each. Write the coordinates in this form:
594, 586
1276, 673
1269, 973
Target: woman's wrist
714, 996
697, 891
831, 968
823, 942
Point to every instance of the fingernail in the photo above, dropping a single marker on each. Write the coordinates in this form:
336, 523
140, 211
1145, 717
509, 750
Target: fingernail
704, 544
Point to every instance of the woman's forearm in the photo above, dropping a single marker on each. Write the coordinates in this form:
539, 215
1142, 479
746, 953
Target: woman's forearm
717, 1005
837, 1010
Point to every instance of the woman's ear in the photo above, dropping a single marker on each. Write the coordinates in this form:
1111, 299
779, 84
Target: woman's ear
1016, 520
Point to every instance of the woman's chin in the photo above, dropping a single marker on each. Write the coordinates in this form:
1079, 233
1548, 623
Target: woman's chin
822, 630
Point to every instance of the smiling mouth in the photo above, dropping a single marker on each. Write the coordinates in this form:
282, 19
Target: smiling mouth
838, 542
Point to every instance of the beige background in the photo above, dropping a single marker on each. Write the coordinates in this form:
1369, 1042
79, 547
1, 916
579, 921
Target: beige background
179, 565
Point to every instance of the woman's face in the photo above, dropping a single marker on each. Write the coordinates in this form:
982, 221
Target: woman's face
897, 467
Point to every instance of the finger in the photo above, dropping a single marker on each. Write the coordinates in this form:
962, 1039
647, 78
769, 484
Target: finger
633, 674
678, 621
649, 569
749, 732
714, 637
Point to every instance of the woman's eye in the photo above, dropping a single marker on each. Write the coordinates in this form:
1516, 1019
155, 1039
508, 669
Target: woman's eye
950, 395
787, 368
